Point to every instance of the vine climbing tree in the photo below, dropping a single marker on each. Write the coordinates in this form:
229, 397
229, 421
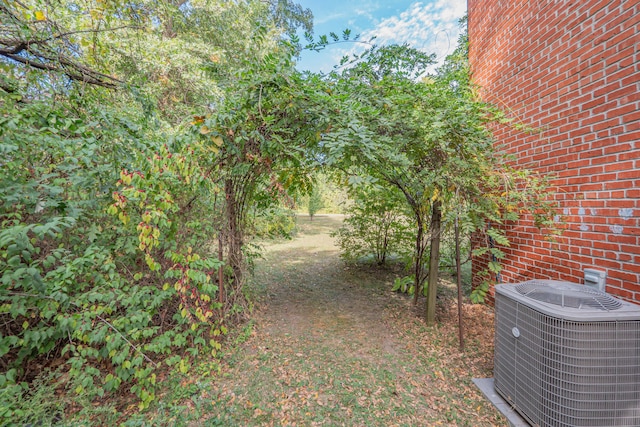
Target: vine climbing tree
112, 188
428, 135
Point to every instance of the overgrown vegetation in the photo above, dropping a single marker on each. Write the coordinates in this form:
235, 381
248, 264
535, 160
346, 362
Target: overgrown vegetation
428, 137
123, 216
143, 144
330, 195
376, 226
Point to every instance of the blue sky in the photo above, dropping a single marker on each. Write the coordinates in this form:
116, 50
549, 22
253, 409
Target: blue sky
429, 25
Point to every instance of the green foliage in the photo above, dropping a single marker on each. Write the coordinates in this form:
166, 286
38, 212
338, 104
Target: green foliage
273, 222
334, 195
448, 256
480, 292
35, 404
80, 287
259, 145
375, 226
431, 140
403, 285
315, 202
107, 213
396, 133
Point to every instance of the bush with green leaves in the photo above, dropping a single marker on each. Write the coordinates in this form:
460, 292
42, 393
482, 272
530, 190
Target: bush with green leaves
375, 227
272, 222
110, 201
99, 252
314, 202
30, 404
404, 285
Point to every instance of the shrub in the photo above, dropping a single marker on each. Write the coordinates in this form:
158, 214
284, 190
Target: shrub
103, 253
273, 222
375, 227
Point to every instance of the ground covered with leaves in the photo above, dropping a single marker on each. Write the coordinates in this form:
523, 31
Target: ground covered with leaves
331, 345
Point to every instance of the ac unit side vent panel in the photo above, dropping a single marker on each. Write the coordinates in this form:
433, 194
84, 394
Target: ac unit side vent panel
561, 373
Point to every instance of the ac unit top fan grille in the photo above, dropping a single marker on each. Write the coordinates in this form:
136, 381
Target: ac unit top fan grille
568, 295
569, 301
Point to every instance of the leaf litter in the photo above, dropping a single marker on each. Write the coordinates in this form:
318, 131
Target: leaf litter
333, 346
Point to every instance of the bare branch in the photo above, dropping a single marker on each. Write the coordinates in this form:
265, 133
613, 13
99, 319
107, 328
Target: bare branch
77, 72
93, 30
39, 51
147, 358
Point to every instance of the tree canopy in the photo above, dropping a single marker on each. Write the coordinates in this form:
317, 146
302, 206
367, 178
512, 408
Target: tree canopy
135, 139
429, 136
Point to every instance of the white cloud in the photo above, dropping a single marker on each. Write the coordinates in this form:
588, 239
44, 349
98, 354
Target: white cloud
331, 17
363, 9
432, 27
429, 25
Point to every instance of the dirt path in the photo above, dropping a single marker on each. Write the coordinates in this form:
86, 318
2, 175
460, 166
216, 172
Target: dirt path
332, 346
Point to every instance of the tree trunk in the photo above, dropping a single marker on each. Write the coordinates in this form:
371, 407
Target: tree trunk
459, 282
418, 267
234, 234
385, 245
434, 261
221, 295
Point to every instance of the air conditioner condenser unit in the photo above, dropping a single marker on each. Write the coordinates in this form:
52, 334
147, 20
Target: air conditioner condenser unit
567, 355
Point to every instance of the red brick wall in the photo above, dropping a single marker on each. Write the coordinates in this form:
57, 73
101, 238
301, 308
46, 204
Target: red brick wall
571, 69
